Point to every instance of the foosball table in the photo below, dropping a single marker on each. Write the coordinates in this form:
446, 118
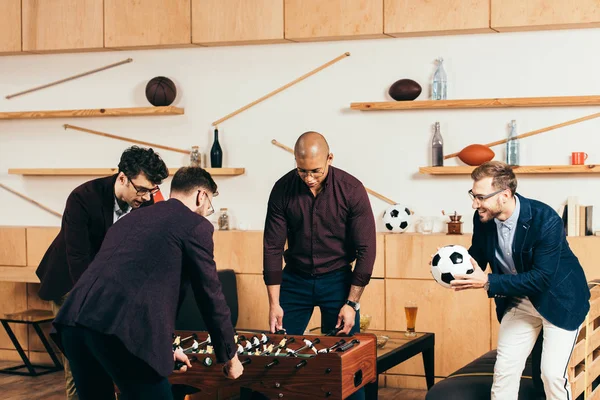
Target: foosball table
282, 366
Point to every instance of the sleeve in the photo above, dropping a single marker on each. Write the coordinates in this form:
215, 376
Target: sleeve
77, 239
275, 235
546, 259
361, 224
208, 292
478, 244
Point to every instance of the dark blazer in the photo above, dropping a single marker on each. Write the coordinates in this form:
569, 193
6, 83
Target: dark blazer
88, 215
548, 272
133, 287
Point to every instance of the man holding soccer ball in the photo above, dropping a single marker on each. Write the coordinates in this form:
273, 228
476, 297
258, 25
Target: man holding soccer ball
536, 280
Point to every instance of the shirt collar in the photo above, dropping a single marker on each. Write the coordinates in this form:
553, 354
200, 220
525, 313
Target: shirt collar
118, 209
511, 222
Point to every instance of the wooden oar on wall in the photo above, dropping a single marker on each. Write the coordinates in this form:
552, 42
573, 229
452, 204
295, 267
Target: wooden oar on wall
109, 135
370, 191
282, 88
536, 132
29, 199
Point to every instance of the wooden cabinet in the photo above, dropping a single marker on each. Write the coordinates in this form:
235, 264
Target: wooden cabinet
62, 25
517, 15
436, 17
218, 22
307, 20
146, 23
10, 26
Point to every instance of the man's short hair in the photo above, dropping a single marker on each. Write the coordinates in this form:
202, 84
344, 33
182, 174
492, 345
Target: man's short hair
501, 173
137, 159
188, 179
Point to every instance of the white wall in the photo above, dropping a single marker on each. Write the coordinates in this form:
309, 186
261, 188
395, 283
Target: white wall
383, 149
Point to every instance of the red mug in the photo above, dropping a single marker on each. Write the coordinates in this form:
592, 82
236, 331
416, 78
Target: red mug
578, 158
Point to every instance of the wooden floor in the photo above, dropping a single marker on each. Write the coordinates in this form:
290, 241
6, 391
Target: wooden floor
51, 387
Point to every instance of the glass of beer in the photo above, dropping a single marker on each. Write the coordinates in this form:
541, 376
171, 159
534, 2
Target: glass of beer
410, 308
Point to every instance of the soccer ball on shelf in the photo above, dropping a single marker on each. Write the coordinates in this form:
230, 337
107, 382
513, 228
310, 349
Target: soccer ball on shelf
397, 218
449, 261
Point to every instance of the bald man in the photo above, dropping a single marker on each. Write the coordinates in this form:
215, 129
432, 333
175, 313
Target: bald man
326, 217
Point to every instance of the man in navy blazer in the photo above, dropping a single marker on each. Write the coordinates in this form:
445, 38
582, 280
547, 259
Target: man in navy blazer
536, 280
91, 210
116, 326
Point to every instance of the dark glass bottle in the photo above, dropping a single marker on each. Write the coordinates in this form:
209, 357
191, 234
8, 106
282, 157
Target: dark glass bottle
216, 154
437, 148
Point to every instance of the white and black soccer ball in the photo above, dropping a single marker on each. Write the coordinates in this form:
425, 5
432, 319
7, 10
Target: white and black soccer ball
449, 261
397, 218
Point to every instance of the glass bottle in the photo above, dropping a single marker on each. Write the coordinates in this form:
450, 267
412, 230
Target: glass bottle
216, 154
223, 220
440, 82
512, 145
437, 148
195, 157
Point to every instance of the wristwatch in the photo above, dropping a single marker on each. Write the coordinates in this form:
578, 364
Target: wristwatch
486, 286
354, 305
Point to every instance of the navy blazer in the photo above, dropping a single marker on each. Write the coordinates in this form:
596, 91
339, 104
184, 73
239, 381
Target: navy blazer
548, 272
133, 287
89, 213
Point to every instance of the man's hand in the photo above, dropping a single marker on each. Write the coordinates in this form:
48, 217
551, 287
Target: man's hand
346, 316
233, 368
179, 355
275, 318
476, 280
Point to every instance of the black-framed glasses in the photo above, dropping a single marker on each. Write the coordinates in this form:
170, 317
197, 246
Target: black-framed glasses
211, 210
481, 197
142, 191
315, 173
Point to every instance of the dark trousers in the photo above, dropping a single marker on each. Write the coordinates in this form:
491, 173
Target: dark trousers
98, 362
301, 293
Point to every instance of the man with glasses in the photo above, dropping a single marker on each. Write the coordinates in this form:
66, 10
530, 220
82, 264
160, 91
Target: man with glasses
325, 215
91, 210
116, 325
536, 280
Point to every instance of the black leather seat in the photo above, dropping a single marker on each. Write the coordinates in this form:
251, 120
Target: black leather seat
189, 317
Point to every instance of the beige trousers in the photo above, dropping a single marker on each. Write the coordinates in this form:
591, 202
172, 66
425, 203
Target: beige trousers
69, 382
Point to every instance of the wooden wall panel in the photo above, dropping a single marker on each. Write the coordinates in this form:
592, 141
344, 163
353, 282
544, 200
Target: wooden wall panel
253, 302
310, 20
38, 241
62, 25
518, 15
585, 248
372, 303
436, 17
10, 27
13, 246
379, 266
147, 23
460, 320
13, 298
234, 22
408, 255
241, 251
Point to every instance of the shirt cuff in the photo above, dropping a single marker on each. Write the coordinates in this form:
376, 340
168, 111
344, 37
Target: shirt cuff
273, 277
360, 279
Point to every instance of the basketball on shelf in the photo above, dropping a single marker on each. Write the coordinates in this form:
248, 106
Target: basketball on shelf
397, 218
161, 91
449, 261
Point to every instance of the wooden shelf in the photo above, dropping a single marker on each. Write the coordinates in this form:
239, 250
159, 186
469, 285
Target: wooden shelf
18, 274
478, 103
107, 171
98, 112
525, 169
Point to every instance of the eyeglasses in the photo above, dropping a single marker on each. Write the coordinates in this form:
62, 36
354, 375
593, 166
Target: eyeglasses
142, 191
211, 210
480, 197
315, 173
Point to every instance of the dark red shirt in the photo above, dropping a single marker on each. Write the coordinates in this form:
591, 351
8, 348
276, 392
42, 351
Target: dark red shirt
324, 233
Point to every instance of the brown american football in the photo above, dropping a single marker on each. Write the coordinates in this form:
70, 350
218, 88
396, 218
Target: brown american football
476, 154
405, 89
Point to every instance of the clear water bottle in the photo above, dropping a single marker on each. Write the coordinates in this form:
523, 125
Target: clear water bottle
223, 220
195, 157
512, 145
437, 148
440, 82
